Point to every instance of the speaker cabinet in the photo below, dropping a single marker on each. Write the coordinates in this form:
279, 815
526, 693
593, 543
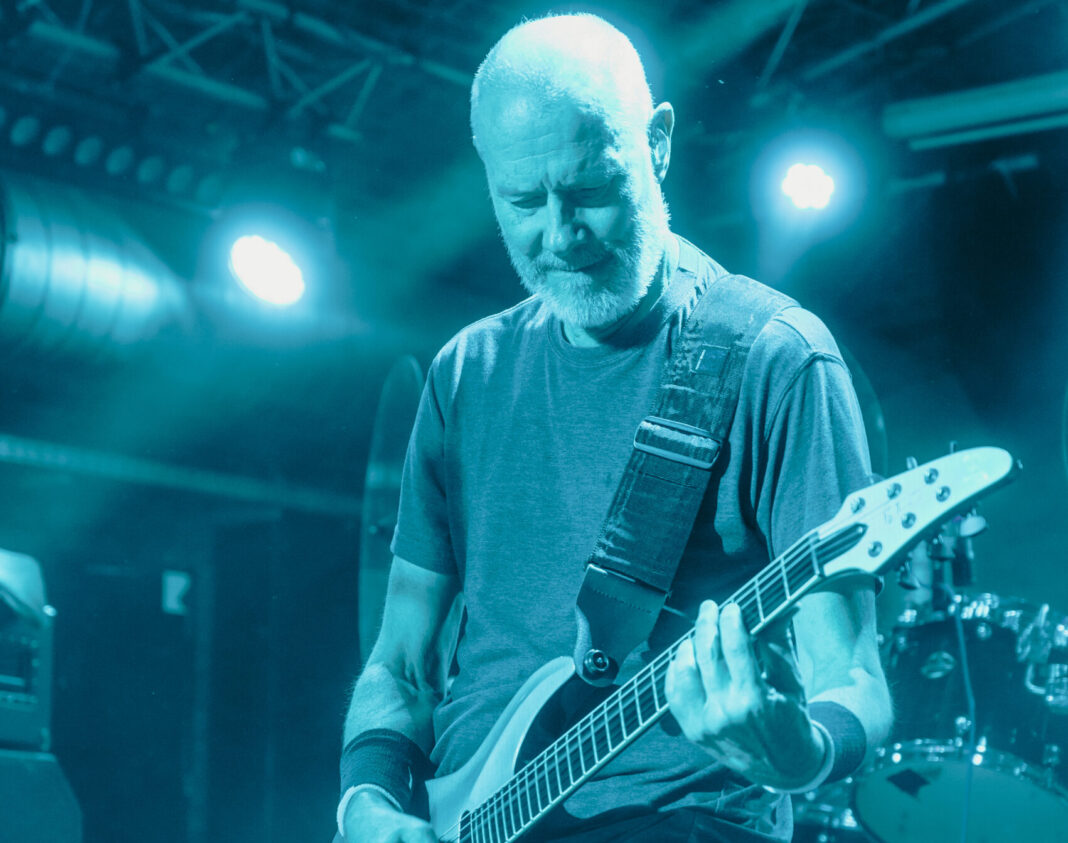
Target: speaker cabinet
38, 804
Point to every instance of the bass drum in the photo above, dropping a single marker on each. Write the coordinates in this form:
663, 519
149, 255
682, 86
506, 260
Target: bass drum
931, 782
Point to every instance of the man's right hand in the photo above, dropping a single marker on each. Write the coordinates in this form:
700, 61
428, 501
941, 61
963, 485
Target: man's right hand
371, 818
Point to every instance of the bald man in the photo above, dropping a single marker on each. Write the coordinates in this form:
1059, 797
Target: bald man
525, 426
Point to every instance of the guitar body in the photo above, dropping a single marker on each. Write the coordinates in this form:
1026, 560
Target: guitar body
496, 759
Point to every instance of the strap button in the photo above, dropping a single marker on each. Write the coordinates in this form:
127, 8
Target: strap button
596, 663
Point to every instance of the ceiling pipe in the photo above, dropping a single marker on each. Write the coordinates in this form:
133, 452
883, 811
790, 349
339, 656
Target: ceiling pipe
74, 279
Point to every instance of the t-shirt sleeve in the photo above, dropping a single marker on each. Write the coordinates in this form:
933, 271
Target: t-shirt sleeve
814, 450
422, 533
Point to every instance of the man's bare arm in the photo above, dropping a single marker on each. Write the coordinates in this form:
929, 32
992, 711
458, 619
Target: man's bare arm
400, 684
838, 656
397, 690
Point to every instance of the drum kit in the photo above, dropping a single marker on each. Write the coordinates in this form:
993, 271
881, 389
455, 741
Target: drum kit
979, 748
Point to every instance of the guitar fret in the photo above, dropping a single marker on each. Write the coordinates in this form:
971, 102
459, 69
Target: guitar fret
774, 592
513, 819
526, 790
750, 617
498, 823
785, 581
582, 758
567, 749
517, 806
638, 703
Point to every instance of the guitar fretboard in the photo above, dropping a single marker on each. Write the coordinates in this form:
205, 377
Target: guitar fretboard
611, 726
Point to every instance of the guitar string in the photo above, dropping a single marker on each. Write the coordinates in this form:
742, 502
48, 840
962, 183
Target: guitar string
508, 803
509, 799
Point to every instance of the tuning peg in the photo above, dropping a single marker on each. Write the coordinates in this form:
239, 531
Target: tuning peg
937, 550
906, 579
972, 524
910, 462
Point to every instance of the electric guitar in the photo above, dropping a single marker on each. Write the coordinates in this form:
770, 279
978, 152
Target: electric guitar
489, 801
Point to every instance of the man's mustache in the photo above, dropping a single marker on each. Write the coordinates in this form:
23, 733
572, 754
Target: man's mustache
575, 263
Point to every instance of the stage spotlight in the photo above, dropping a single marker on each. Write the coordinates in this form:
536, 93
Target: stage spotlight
808, 186
266, 270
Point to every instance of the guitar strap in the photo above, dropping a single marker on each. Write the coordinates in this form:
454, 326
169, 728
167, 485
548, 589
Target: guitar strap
630, 572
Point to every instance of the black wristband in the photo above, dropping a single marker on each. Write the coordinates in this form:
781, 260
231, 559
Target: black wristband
847, 735
387, 759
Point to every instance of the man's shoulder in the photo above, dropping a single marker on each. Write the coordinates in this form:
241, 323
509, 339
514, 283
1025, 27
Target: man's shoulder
487, 338
799, 332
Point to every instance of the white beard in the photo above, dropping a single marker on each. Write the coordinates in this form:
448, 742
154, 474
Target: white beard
576, 298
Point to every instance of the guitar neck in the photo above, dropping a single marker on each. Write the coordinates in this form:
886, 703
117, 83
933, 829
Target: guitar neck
615, 723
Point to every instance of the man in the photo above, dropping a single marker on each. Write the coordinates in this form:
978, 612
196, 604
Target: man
526, 423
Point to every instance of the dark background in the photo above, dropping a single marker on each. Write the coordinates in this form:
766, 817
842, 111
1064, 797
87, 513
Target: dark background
225, 443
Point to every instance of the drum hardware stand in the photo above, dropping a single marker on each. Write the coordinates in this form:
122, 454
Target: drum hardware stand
1037, 642
952, 555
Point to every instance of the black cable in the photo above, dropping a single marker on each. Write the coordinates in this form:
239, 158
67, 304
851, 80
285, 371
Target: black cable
969, 703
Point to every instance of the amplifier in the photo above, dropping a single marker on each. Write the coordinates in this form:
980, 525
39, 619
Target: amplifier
38, 803
25, 655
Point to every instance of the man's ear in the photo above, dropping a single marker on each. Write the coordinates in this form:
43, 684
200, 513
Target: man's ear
660, 126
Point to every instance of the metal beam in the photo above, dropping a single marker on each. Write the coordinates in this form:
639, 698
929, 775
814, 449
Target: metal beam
16, 450
186, 47
138, 23
364, 96
327, 87
270, 52
165, 36
892, 33
784, 41
344, 36
1019, 99
984, 133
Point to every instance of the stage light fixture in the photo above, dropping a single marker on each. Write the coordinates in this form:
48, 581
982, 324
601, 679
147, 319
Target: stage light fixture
119, 160
266, 270
150, 169
88, 151
808, 186
24, 130
180, 179
56, 141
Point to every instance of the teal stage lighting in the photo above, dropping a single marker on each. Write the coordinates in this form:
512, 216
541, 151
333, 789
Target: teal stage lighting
266, 270
808, 186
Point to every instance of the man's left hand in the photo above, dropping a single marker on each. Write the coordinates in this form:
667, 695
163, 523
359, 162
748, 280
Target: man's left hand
754, 721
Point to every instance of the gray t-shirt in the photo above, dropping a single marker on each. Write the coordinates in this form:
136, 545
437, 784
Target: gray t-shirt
519, 444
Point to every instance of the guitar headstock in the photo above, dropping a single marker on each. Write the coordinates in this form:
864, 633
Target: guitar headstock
899, 512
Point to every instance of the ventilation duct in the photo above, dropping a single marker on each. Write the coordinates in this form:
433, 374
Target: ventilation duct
74, 279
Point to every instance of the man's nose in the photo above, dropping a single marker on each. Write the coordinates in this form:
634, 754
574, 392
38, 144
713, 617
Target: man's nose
563, 230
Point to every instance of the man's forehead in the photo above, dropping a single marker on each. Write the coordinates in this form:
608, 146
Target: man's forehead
521, 133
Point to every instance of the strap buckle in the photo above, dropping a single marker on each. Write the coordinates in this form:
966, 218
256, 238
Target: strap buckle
678, 442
